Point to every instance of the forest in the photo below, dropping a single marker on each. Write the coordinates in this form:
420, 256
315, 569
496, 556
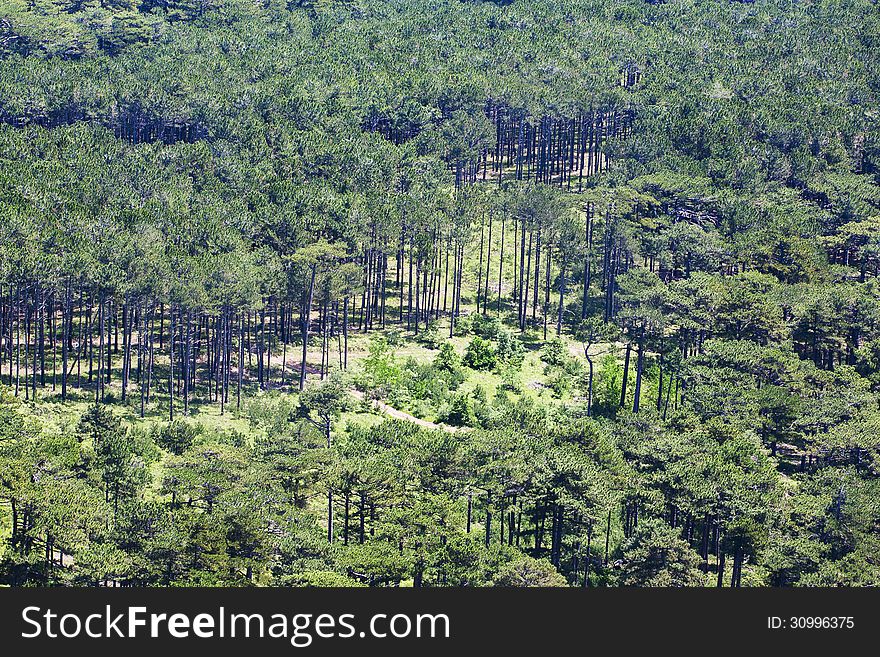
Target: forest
440, 293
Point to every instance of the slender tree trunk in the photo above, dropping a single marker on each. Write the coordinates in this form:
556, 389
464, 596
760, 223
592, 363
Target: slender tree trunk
305, 320
625, 376
640, 363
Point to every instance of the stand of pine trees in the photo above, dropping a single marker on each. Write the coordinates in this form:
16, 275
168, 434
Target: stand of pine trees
617, 262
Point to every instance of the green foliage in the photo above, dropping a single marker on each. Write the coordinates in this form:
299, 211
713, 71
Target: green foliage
447, 360
562, 370
480, 354
657, 556
322, 404
526, 572
554, 353
484, 326
381, 368
430, 337
447, 365
609, 386
510, 351
192, 191
271, 412
460, 412
176, 437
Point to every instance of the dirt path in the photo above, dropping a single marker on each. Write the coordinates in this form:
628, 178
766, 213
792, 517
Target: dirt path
402, 415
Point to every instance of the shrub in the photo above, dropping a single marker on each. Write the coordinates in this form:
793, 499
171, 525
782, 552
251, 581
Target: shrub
447, 367
608, 386
394, 337
525, 571
232, 437
510, 350
421, 382
447, 359
320, 579
510, 378
485, 327
480, 354
271, 411
460, 412
176, 437
381, 368
560, 383
554, 353
431, 337
656, 555
482, 415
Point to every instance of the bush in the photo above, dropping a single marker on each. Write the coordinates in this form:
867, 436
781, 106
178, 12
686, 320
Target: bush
431, 337
479, 354
559, 383
483, 326
656, 555
554, 353
510, 350
376, 563
510, 378
394, 337
482, 409
608, 386
320, 579
271, 411
381, 369
447, 367
447, 359
528, 572
421, 382
176, 437
232, 437
460, 412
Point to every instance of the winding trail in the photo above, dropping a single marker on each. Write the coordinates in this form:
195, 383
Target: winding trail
402, 415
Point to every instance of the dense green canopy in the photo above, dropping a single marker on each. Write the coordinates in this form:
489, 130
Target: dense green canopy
612, 266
